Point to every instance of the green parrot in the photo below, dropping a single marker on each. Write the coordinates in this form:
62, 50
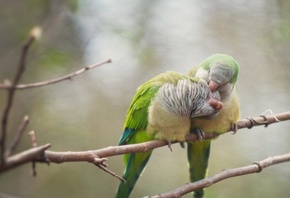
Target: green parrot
220, 71
162, 109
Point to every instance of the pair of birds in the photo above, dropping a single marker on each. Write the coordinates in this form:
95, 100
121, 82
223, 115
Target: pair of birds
172, 105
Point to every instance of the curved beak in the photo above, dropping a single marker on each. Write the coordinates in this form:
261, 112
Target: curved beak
217, 105
213, 86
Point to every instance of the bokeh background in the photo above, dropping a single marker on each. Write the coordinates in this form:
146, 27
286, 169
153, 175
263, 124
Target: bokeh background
143, 38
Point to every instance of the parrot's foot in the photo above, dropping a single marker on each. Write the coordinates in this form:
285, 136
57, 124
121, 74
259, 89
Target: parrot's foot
234, 128
169, 145
182, 144
199, 133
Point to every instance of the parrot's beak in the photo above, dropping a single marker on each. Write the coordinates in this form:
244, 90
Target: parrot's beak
217, 105
213, 86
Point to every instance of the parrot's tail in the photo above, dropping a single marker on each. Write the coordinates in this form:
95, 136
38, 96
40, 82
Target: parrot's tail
135, 165
198, 155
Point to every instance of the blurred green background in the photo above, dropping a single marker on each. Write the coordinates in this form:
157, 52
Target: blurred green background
143, 38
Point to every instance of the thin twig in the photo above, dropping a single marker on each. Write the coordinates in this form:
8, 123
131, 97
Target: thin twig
225, 174
17, 136
33, 138
56, 80
100, 163
22, 63
33, 169
111, 173
34, 145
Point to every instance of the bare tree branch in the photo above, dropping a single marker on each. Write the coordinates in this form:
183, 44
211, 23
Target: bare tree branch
56, 80
98, 157
225, 174
34, 34
60, 157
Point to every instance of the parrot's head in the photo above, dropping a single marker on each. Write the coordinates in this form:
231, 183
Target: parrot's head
221, 73
207, 102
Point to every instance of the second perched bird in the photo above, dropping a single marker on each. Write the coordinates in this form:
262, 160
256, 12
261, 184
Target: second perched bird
162, 109
220, 71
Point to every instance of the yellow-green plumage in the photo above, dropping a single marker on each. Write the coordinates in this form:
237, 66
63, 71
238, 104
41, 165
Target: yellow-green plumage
222, 69
161, 109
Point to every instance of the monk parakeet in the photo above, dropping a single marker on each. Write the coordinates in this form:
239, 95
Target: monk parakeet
220, 71
162, 109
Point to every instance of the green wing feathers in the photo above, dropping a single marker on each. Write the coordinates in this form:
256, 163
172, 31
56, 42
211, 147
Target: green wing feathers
137, 113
